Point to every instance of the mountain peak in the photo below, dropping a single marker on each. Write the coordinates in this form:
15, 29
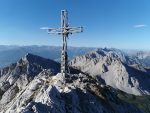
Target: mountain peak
34, 59
30, 65
113, 67
30, 55
31, 58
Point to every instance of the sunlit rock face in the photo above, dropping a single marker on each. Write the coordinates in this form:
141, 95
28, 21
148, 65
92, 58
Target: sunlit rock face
33, 85
115, 68
18, 75
78, 93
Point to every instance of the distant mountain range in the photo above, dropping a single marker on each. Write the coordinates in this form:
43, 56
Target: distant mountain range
11, 54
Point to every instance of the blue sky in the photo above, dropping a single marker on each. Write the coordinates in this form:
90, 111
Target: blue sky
123, 24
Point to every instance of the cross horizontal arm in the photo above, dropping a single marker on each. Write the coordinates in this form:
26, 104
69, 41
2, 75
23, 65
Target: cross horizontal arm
57, 33
53, 30
64, 30
75, 29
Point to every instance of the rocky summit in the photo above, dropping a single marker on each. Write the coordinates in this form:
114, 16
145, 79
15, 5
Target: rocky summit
49, 93
34, 85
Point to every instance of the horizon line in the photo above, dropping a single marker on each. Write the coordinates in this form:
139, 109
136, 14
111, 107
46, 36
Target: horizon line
17, 45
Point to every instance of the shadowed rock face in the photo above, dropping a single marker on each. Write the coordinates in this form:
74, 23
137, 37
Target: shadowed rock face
18, 75
30, 65
36, 64
115, 69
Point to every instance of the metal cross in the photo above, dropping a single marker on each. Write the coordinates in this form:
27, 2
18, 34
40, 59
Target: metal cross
65, 31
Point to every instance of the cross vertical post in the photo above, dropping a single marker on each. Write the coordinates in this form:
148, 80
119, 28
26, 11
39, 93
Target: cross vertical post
65, 31
64, 56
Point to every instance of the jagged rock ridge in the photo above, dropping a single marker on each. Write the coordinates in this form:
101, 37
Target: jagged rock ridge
18, 75
116, 69
30, 86
56, 94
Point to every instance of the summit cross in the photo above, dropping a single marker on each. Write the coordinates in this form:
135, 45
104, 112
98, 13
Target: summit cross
65, 30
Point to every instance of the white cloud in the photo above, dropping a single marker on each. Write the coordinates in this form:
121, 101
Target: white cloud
140, 26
